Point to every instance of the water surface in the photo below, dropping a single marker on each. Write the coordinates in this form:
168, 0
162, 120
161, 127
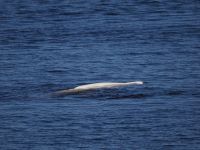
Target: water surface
53, 45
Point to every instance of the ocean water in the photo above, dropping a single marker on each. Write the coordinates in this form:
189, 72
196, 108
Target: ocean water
46, 46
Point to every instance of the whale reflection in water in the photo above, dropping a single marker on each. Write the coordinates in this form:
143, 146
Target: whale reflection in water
95, 86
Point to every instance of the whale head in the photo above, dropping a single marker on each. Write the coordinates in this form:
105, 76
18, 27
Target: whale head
136, 83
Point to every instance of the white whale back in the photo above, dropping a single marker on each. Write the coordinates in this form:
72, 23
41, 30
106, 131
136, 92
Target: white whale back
106, 85
94, 86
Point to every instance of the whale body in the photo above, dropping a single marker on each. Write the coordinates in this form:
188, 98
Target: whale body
95, 86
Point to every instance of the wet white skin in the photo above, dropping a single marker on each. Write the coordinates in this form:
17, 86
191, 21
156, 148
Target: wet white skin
95, 86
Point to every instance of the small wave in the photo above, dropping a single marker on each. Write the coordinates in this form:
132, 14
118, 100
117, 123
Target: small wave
56, 71
130, 96
175, 92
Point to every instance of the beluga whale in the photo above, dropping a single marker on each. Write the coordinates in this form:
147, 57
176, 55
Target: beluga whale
95, 86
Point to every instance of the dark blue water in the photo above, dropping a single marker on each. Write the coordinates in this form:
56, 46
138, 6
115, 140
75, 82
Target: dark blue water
50, 45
